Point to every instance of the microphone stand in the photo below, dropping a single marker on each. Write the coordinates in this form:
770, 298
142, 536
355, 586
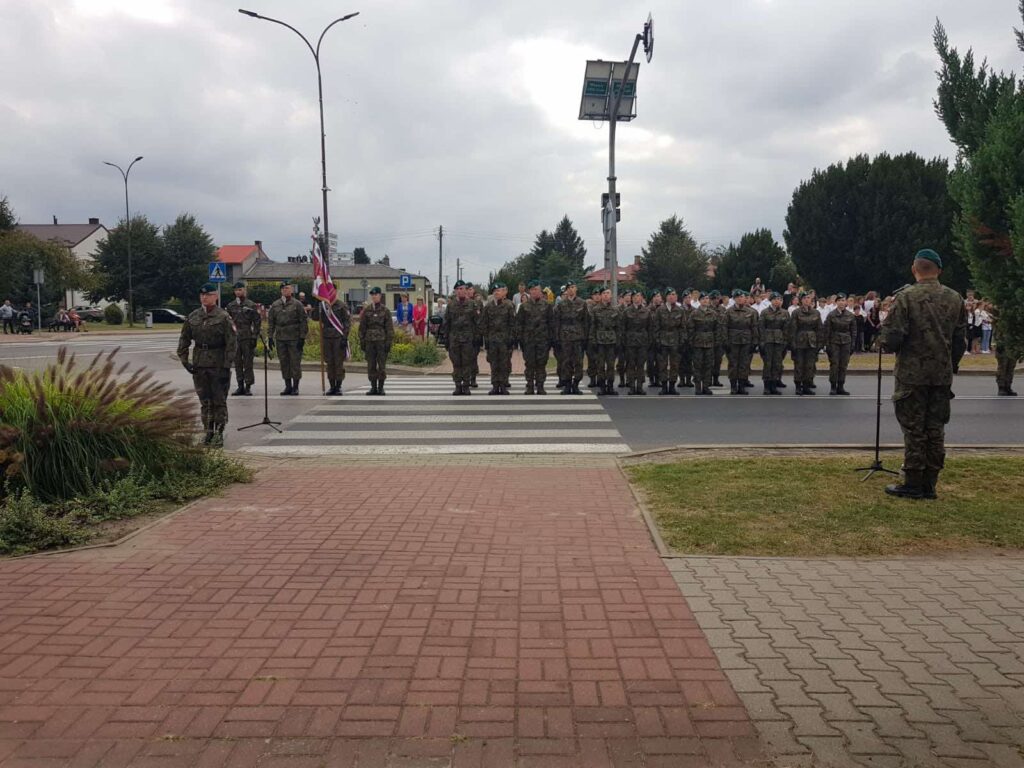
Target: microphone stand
876, 465
266, 402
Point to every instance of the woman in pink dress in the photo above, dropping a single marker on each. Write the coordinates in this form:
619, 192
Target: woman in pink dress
419, 319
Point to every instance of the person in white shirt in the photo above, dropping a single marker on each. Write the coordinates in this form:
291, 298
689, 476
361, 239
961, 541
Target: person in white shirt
694, 299
823, 308
763, 304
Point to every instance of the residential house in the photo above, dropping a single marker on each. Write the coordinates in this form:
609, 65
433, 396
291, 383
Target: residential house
81, 240
239, 259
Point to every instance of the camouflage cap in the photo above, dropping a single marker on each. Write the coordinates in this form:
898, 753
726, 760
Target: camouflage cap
929, 255
208, 288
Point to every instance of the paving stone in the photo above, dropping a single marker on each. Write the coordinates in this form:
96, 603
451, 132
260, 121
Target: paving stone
839, 706
862, 739
891, 723
830, 752
808, 721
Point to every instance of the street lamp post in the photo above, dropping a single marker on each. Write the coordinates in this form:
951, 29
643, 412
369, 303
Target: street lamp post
128, 233
325, 247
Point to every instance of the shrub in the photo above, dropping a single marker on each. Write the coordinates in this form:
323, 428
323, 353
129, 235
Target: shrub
113, 315
68, 431
27, 525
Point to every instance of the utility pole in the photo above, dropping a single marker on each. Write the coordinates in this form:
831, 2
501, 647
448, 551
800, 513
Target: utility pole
440, 255
458, 270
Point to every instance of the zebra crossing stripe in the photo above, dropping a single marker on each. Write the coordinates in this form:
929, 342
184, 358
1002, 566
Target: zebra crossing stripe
447, 434
477, 418
422, 450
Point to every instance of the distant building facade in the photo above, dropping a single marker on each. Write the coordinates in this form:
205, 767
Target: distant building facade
81, 241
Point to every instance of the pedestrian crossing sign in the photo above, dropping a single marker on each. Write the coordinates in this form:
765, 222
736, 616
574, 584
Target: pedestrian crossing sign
218, 272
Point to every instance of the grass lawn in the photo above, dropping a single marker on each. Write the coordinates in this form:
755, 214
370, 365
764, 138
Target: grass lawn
809, 506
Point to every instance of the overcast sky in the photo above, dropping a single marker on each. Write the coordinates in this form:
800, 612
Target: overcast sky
461, 113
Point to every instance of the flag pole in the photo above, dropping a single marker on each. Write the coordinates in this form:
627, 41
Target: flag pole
323, 385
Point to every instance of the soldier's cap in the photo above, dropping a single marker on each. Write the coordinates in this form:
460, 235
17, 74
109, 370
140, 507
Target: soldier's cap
285, 283
688, 291
534, 284
704, 295
774, 295
561, 289
497, 287
802, 294
626, 293
738, 292
929, 255
570, 283
714, 294
670, 291
208, 288
840, 296
469, 284
240, 284
460, 284
597, 291
376, 289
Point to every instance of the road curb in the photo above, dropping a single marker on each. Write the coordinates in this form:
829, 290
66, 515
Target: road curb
786, 447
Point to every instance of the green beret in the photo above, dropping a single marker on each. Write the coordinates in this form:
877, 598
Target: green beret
670, 291
208, 288
802, 294
715, 294
570, 283
460, 284
775, 295
688, 291
597, 292
497, 287
840, 296
375, 289
929, 255
561, 289
534, 284
240, 284
469, 284
736, 292
627, 293
285, 282
704, 295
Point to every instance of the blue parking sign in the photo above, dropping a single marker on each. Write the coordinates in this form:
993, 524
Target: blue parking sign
405, 281
218, 272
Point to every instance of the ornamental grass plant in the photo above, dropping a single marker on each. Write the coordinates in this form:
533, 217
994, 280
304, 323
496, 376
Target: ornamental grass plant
67, 431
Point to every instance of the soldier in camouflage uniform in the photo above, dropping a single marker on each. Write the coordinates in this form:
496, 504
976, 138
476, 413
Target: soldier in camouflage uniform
461, 328
703, 331
742, 325
657, 300
668, 329
210, 330
636, 340
478, 342
376, 335
625, 301
1007, 358
806, 337
334, 342
497, 326
840, 330
685, 351
570, 330
719, 305
603, 341
926, 329
534, 327
774, 337
592, 303
248, 323
287, 328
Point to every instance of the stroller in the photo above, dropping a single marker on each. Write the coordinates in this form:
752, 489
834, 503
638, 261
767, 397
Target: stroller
24, 322
434, 325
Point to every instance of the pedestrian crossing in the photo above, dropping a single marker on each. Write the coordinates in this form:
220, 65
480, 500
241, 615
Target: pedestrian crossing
420, 416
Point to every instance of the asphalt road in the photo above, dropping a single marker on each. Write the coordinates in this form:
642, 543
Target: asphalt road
643, 423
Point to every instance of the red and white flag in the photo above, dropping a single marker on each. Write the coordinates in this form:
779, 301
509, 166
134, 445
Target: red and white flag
323, 287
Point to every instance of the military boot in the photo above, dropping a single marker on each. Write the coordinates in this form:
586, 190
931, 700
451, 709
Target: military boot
295, 387
207, 434
458, 388
703, 389
717, 382
373, 387
610, 389
929, 480
1006, 392
576, 387
495, 390
912, 486
780, 384
672, 389
380, 387
240, 390
622, 380
810, 385
767, 387
734, 387
217, 438
773, 388
841, 387
540, 388
664, 389
832, 388
248, 390
473, 384
529, 388
287, 387
592, 383
747, 383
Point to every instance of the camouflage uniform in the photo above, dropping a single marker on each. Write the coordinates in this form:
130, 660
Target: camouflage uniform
287, 326
497, 326
376, 335
1006, 362
668, 329
213, 336
570, 331
703, 333
591, 355
604, 336
636, 340
774, 337
247, 322
685, 349
533, 332
805, 339
722, 341
926, 329
743, 329
334, 344
461, 328
478, 343
840, 331
620, 351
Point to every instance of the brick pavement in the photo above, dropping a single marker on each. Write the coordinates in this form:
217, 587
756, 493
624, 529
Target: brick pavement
915, 662
426, 616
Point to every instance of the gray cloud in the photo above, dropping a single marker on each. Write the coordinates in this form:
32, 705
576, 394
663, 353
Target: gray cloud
460, 113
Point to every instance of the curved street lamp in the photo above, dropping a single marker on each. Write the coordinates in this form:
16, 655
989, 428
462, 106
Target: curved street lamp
325, 249
128, 231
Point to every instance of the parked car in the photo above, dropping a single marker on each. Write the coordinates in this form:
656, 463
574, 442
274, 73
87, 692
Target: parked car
165, 315
94, 314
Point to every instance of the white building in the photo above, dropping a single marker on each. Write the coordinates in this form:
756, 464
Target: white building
81, 240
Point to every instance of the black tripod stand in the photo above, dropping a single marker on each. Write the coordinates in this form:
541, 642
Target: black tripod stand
876, 465
266, 402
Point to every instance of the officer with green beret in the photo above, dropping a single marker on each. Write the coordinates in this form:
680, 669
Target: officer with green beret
719, 305
687, 301
668, 329
636, 341
926, 328
212, 334
497, 326
806, 337
774, 337
703, 330
534, 333
335, 342
570, 330
376, 334
461, 328
248, 323
604, 333
656, 300
592, 303
287, 328
840, 331
625, 301
743, 330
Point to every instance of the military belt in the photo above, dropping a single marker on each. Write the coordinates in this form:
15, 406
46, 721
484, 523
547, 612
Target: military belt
201, 345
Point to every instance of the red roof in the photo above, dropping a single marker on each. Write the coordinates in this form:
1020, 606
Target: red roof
627, 274
235, 254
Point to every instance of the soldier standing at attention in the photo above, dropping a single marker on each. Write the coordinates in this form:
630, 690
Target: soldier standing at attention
478, 342
592, 303
247, 322
657, 301
461, 328
534, 327
774, 335
636, 340
718, 304
210, 330
1006, 361
840, 330
668, 328
805, 339
926, 329
570, 330
625, 301
287, 327
497, 325
685, 352
703, 329
743, 329
376, 334
603, 341
335, 343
